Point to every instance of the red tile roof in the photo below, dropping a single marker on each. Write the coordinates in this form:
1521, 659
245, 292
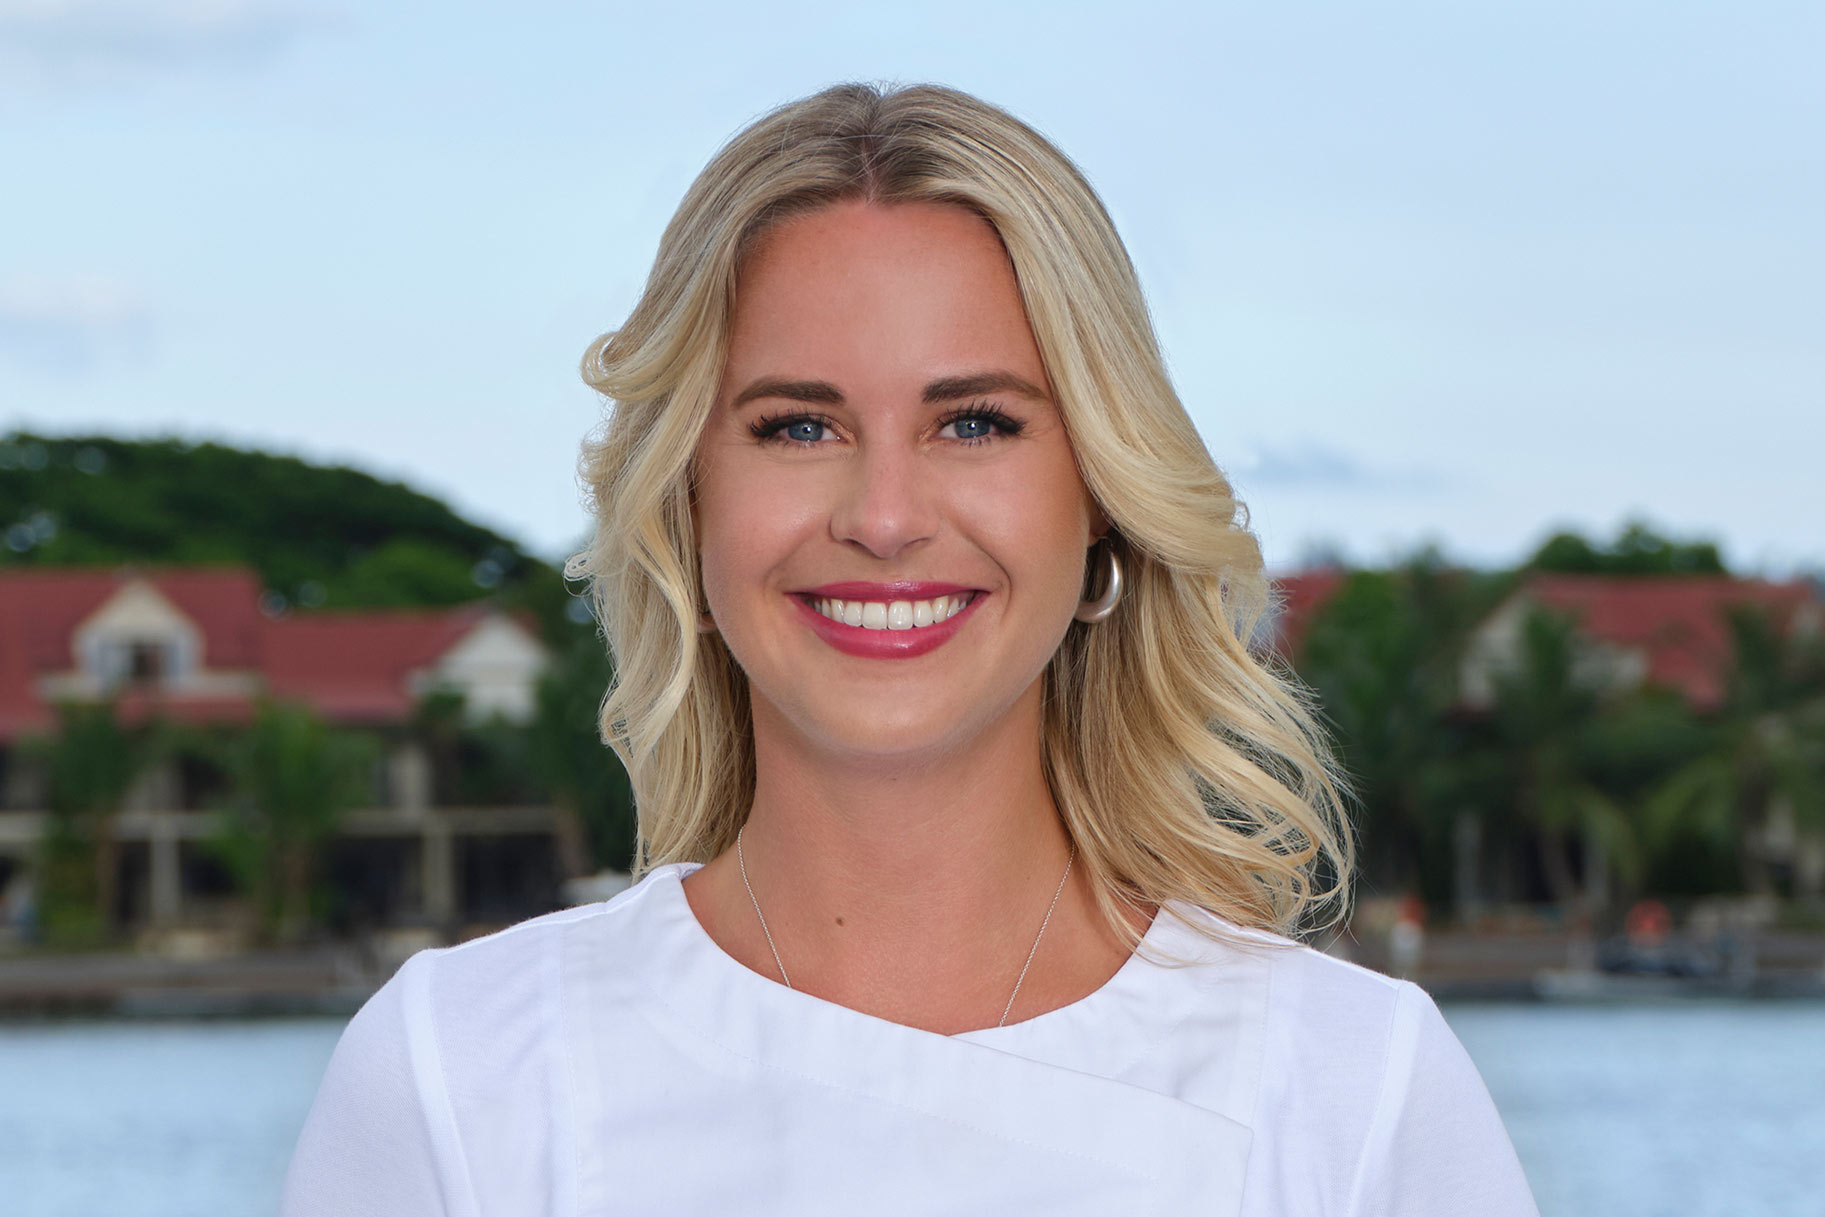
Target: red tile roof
224, 602
20, 711
1680, 623
41, 608
351, 666
138, 705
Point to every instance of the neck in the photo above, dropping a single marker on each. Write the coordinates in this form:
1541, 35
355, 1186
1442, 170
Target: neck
939, 845
913, 888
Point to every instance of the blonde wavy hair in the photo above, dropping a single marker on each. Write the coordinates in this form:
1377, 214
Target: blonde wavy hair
1186, 766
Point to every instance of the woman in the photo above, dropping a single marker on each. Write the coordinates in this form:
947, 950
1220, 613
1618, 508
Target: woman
971, 824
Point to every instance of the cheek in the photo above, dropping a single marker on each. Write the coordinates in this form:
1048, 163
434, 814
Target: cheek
1038, 523
748, 523
723, 530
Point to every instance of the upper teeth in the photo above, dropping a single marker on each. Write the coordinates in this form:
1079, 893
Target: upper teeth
892, 614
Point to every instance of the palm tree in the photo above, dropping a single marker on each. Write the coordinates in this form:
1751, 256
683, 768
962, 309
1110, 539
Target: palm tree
294, 777
1383, 658
1766, 749
1545, 719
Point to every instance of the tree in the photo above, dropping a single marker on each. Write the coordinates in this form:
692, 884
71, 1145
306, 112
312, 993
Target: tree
406, 571
96, 499
1383, 658
1765, 748
590, 789
475, 763
1637, 550
1544, 715
294, 778
1628, 751
90, 764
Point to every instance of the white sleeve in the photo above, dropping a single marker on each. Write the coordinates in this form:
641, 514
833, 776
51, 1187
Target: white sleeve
380, 1138
1436, 1146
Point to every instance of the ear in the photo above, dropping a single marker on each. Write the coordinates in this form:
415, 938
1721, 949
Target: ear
1099, 522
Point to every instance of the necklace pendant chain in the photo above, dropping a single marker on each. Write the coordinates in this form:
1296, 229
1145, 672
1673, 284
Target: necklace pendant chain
742, 863
1050, 908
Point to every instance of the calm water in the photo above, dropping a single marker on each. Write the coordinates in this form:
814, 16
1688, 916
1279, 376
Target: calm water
1660, 1111
1685, 1111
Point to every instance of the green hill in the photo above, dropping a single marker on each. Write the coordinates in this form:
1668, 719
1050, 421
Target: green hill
319, 536
1637, 550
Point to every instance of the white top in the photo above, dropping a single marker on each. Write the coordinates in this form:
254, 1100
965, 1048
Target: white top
613, 1059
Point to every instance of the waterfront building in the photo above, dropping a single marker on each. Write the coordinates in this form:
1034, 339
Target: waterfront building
1666, 631
1670, 633
200, 646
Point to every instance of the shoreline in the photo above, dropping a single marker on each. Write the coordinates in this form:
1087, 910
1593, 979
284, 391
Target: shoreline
333, 980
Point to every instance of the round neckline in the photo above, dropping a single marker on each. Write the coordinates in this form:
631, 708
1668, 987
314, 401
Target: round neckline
1078, 1085
1119, 1011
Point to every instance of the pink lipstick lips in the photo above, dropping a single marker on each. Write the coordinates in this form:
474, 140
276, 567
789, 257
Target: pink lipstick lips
898, 620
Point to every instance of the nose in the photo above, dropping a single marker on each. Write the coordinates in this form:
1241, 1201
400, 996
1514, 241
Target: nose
887, 502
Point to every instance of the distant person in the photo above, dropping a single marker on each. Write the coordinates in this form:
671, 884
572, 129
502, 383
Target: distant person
1407, 937
971, 826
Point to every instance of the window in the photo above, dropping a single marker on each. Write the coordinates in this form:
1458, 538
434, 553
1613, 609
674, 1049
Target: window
146, 663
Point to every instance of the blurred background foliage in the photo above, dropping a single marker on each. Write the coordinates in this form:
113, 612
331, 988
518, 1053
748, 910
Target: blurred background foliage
319, 538
292, 778
1602, 793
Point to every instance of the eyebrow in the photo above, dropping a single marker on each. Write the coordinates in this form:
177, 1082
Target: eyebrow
820, 392
953, 387
950, 388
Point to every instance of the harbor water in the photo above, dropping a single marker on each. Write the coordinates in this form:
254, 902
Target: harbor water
1687, 1110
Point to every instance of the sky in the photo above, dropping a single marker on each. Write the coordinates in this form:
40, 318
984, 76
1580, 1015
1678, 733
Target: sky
1425, 273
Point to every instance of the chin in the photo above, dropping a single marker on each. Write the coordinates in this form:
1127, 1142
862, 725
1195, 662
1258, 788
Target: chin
893, 738
888, 733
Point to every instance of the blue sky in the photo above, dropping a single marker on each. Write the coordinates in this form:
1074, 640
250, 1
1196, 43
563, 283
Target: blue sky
1447, 272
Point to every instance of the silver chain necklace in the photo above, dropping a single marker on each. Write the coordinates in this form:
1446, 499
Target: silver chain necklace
742, 863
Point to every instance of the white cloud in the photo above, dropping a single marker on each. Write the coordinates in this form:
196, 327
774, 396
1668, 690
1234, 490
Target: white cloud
84, 38
70, 324
1311, 464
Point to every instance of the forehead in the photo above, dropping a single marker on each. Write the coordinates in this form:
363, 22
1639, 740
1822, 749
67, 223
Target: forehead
869, 290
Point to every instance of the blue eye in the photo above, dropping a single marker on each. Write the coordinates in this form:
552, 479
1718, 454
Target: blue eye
801, 429
978, 424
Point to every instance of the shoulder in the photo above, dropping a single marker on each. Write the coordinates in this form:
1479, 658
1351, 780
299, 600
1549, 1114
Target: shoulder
474, 1009
1324, 1020
1319, 1034
456, 1077
1365, 1101
517, 975
1308, 995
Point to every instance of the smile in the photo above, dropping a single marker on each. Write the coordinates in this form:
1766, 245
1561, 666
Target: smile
892, 614
900, 620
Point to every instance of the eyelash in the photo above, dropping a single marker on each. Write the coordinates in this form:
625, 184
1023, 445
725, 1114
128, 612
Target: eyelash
1006, 425
768, 427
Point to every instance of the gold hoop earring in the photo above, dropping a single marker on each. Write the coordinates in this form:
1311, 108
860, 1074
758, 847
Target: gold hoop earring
1096, 610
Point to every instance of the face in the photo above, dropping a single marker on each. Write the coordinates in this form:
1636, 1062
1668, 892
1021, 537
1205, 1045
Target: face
891, 523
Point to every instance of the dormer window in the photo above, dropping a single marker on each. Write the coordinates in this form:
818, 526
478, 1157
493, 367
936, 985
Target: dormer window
137, 662
148, 663
136, 639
